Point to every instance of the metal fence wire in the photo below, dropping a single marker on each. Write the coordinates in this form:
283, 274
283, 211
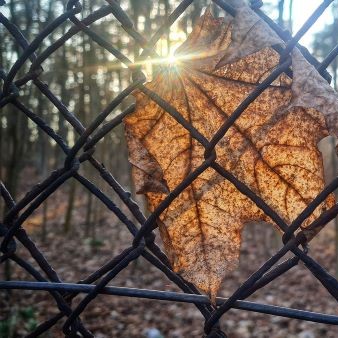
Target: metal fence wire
11, 229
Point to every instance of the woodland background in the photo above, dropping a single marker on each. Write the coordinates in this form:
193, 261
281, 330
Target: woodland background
75, 231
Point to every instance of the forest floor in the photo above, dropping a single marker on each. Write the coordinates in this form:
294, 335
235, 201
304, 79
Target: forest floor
74, 256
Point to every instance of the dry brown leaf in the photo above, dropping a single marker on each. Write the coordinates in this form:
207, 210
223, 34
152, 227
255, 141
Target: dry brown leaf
272, 147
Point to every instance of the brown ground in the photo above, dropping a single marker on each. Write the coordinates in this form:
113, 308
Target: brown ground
73, 256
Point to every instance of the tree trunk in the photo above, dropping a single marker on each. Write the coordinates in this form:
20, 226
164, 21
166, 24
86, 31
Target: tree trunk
280, 12
70, 206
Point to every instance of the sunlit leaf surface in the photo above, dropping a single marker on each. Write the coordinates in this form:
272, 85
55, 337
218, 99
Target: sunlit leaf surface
272, 147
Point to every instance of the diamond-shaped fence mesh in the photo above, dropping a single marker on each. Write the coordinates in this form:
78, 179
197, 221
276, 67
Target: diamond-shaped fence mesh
142, 227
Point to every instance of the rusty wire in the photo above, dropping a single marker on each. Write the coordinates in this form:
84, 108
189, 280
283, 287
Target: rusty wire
144, 239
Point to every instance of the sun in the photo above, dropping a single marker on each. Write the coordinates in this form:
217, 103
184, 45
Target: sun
171, 60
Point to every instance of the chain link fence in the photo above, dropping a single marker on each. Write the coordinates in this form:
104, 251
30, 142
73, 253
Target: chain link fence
11, 229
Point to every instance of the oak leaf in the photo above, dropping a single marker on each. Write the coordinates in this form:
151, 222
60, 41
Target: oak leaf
272, 147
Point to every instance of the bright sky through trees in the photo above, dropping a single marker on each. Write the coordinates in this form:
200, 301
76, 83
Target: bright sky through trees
301, 11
